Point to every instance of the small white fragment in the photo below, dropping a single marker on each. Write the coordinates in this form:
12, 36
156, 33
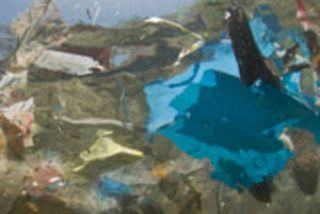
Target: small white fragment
285, 138
227, 15
66, 63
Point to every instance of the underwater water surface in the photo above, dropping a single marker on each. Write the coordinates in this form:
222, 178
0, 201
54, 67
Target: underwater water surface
101, 12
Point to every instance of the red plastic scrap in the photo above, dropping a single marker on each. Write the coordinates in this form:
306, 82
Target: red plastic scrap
302, 15
45, 177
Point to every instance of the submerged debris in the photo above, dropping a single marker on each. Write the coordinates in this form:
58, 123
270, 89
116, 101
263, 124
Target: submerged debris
45, 177
251, 64
36, 29
109, 187
104, 147
114, 102
54, 61
16, 124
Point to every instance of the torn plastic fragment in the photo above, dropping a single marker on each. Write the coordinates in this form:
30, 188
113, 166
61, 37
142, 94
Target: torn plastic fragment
285, 138
10, 84
251, 63
105, 147
43, 16
187, 50
302, 15
96, 121
67, 63
10, 81
304, 18
45, 177
42, 12
199, 117
18, 117
158, 20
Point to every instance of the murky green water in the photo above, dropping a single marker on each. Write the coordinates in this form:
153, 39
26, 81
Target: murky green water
106, 110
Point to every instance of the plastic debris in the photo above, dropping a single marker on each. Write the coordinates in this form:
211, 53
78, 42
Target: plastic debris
304, 18
41, 13
96, 121
109, 187
16, 124
21, 115
302, 15
125, 56
71, 64
178, 105
158, 20
187, 50
94, 82
285, 138
42, 16
251, 63
45, 177
11, 138
104, 147
10, 85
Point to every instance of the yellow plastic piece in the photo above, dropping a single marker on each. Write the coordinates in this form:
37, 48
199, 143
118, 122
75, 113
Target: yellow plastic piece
104, 147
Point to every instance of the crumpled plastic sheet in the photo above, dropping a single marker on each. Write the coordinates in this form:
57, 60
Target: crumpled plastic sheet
208, 113
104, 147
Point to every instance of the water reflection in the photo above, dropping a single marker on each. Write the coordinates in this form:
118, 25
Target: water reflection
110, 12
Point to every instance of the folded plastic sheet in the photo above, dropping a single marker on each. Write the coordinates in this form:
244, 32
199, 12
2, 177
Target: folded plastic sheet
208, 113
